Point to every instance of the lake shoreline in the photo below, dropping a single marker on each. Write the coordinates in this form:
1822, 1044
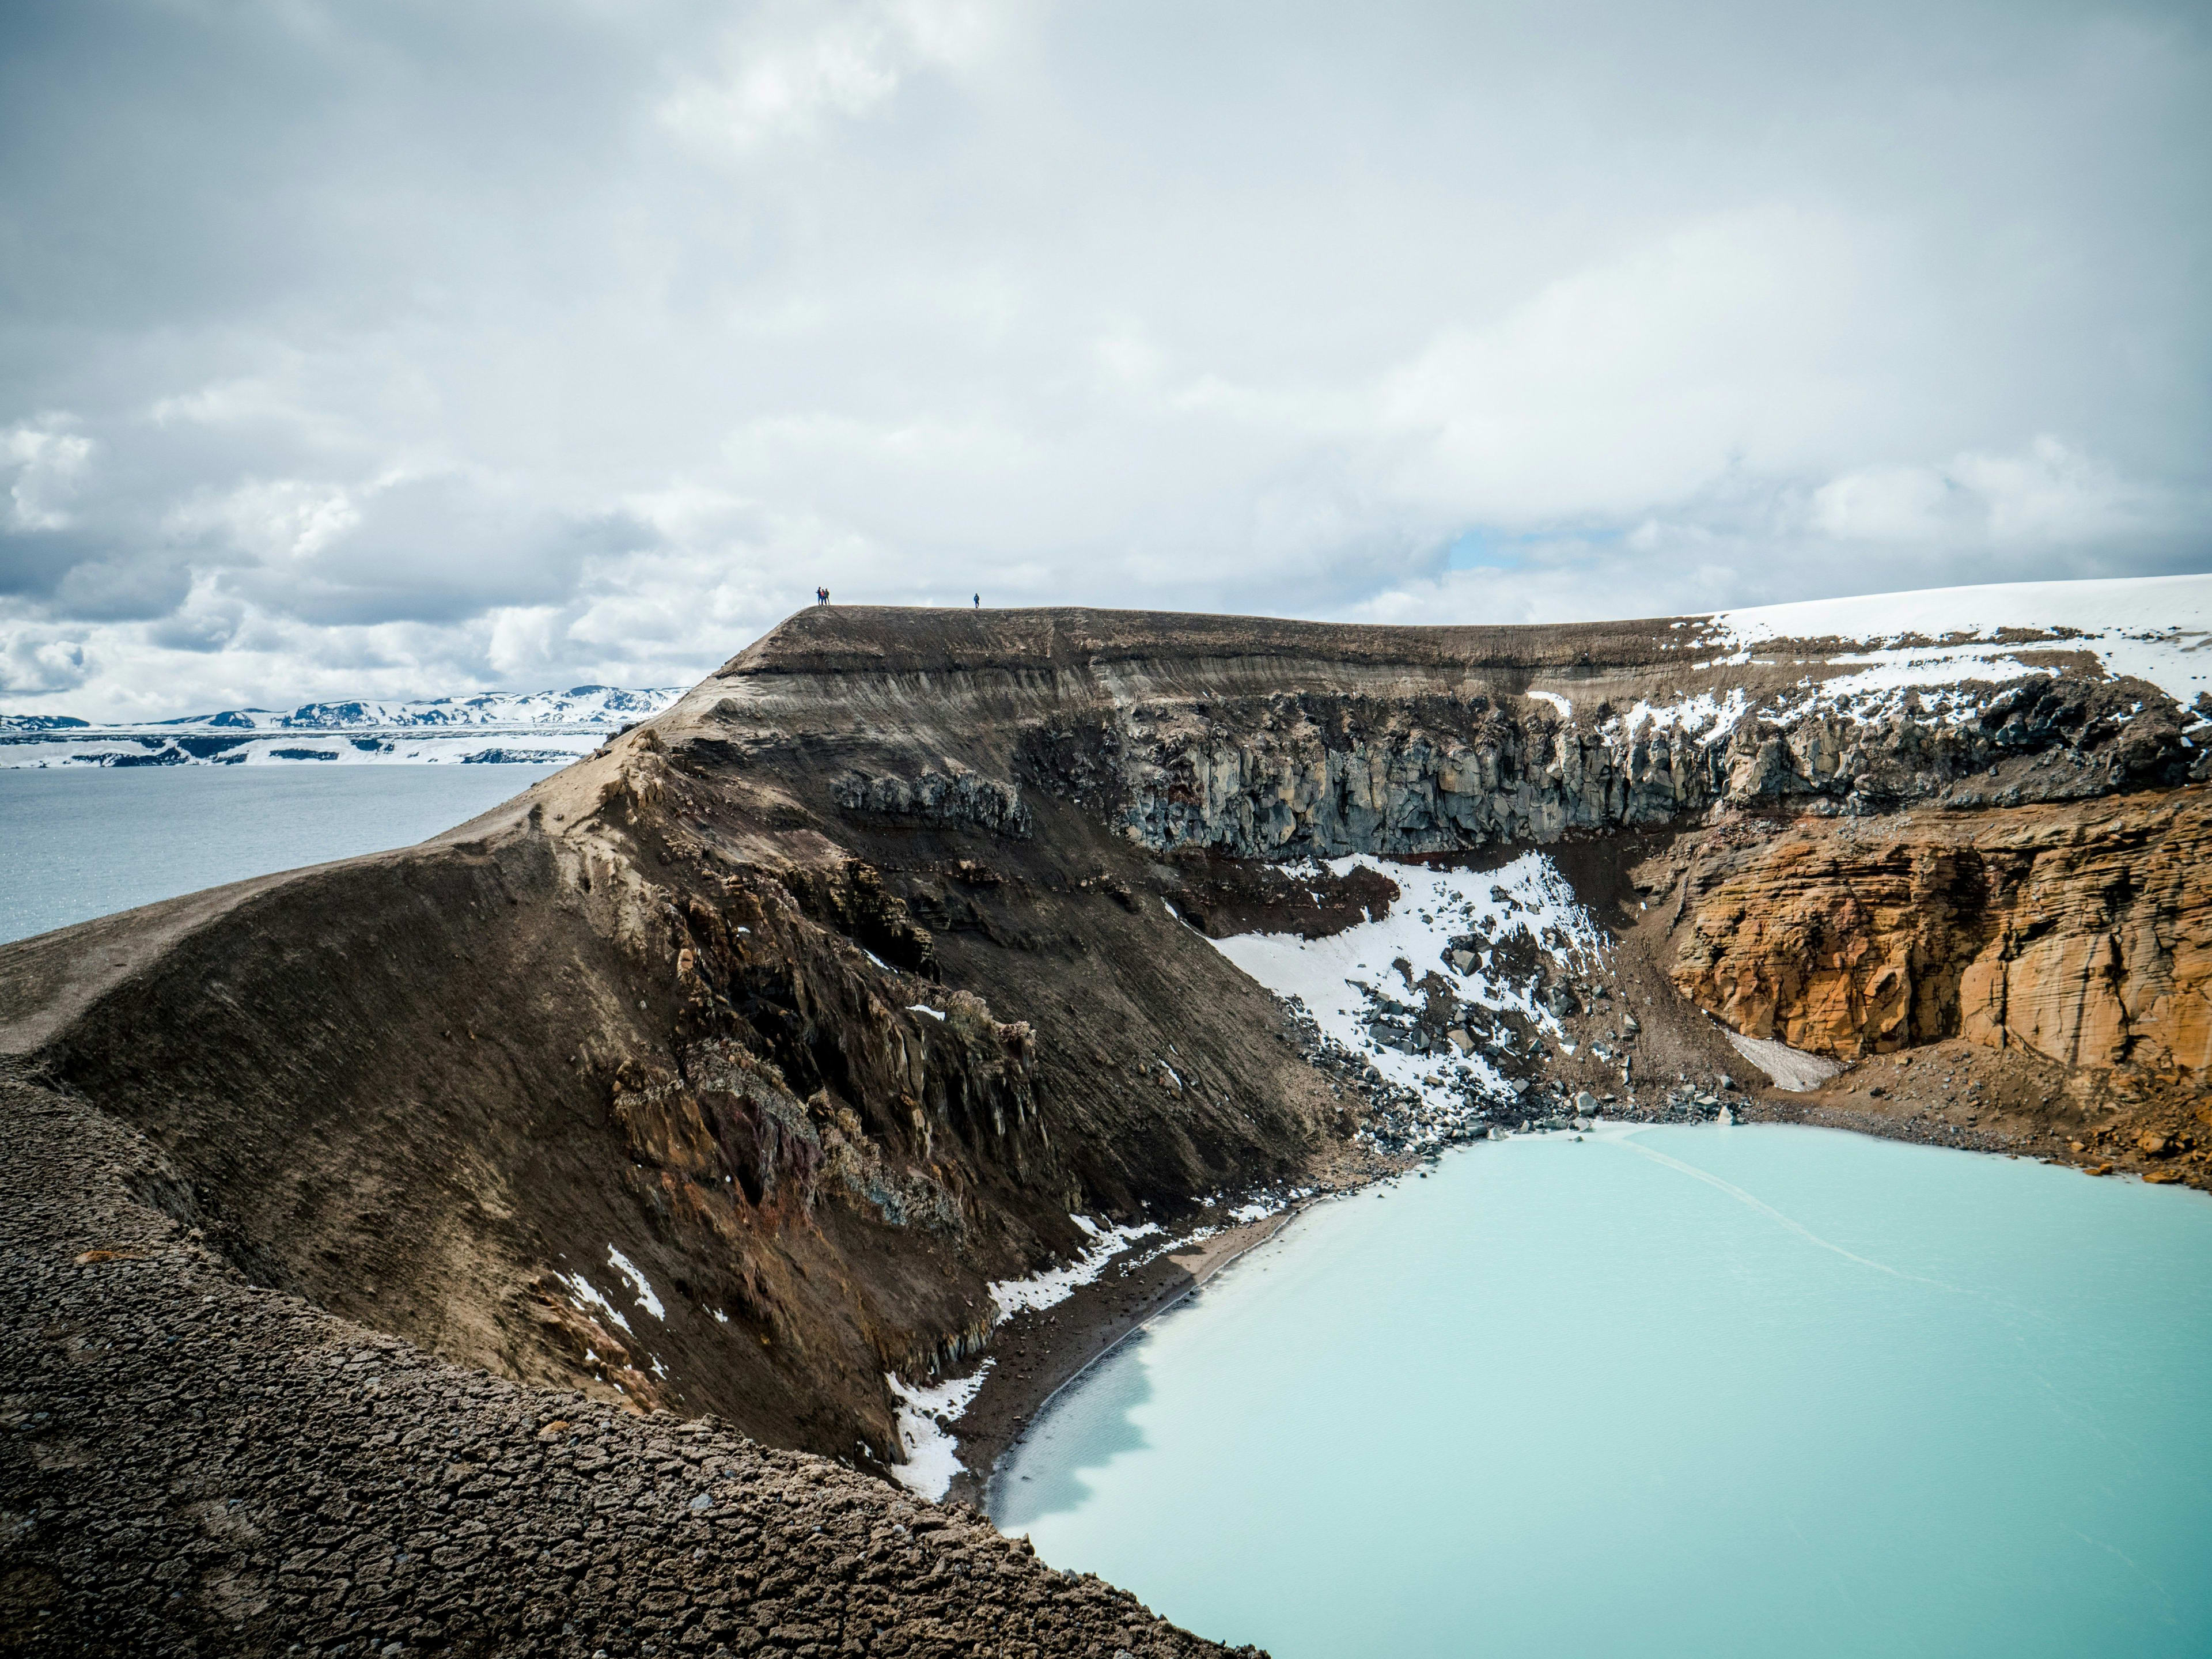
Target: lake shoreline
1308, 1405
1041, 1354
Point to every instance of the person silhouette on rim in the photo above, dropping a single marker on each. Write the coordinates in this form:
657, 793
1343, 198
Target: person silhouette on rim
979, 601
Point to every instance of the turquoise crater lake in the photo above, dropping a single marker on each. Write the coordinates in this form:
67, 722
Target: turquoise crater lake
1749, 1390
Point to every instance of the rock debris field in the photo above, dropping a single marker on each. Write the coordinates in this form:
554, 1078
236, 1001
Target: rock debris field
194, 1466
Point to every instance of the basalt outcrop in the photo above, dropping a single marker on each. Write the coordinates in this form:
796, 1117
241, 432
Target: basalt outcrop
1300, 774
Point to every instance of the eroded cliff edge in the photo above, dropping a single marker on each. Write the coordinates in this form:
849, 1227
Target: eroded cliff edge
727, 1070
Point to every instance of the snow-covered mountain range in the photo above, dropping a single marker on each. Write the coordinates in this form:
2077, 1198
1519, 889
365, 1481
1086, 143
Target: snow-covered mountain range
489, 728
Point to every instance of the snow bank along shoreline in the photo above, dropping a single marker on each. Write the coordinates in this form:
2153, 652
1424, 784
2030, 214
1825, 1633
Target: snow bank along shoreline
931, 1461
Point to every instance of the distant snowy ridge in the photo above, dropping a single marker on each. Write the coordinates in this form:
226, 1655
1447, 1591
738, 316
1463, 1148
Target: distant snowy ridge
490, 728
595, 708
2151, 606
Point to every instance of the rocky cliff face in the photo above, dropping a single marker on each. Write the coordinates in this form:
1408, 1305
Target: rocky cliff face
1300, 774
2083, 935
706, 1076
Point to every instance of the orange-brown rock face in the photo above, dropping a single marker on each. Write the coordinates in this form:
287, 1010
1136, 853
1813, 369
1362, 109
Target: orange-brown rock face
2082, 932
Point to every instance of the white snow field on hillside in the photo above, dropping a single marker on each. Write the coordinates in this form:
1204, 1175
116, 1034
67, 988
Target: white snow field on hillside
524, 727
1349, 981
1944, 649
2157, 628
930, 1457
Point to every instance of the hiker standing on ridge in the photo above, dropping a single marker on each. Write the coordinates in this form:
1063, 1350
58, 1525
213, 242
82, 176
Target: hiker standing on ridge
821, 596
979, 601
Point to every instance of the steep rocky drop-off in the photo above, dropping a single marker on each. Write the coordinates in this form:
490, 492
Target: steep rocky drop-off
2077, 939
2080, 934
727, 1070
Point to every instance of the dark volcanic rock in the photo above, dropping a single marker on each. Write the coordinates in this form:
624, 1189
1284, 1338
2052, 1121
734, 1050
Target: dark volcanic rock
193, 1466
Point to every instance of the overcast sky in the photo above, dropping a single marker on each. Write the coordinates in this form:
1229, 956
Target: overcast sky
412, 346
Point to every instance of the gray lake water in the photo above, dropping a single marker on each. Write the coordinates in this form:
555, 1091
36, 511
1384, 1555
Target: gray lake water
78, 843
1759, 1390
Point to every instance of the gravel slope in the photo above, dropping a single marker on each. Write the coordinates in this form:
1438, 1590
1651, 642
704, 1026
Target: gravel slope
193, 1466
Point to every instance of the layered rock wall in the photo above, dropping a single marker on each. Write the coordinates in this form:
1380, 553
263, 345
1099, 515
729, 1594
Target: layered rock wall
952, 799
1302, 773
2083, 935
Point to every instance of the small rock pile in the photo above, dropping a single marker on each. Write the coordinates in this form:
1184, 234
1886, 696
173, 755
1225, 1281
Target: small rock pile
1400, 1120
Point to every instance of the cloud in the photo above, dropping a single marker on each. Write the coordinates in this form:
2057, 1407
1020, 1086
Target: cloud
1731, 343
35, 663
785, 70
49, 460
416, 348
280, 521
2045, 495
440, 548
34, 562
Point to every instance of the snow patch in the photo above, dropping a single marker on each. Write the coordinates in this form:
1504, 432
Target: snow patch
1333, 978
1347, 982
1703, 716
646, 1299
924, 1008
1566, 708
931, 1461
2155, 628
586, 1296
1791, 1068
1056, 1284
